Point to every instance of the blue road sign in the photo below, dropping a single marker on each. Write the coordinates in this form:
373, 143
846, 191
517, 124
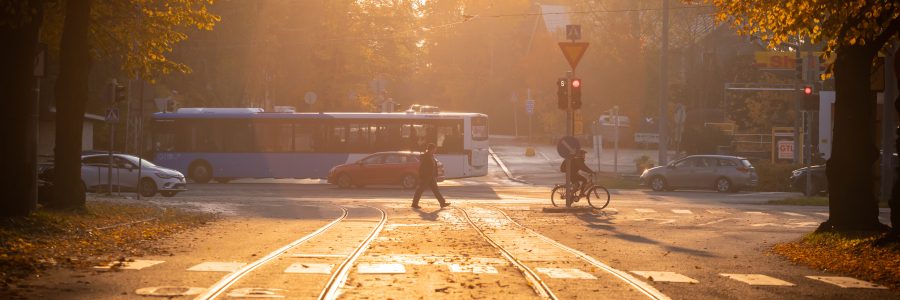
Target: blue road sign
529, 106
567, 146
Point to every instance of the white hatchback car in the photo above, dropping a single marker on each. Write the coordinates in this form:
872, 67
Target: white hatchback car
95, 173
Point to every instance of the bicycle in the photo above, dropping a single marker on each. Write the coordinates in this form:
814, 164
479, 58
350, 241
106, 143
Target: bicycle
599, 194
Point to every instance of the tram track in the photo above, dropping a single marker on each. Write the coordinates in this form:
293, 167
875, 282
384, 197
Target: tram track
540, 286
337, 277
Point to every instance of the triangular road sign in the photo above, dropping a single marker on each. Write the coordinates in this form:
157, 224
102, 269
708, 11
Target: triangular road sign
573, 52
112, 115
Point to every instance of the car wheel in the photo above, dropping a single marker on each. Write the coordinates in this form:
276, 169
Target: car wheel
168, 193
343, 181
723, 185
200, 172
148, 187
408, 181
658, 183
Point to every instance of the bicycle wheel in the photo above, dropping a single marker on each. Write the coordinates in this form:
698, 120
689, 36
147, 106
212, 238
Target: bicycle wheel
558, 194
598, 194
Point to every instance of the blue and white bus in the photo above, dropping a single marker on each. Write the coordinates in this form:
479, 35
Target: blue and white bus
230, 143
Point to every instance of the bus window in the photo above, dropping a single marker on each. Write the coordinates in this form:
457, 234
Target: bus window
336, 139
358, 138
207, 137
239, 137
449, 138
272, 136
479, 128
167, 136
307, 137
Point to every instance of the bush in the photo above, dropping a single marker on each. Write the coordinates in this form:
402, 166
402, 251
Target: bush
774, 177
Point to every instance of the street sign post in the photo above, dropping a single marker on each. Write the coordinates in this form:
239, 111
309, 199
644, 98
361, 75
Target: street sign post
573, 51
529, 106
112, 115
573, 32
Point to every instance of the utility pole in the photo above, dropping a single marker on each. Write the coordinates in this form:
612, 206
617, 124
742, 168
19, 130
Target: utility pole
663, 86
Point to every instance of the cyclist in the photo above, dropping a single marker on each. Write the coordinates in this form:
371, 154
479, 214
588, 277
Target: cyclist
576, 160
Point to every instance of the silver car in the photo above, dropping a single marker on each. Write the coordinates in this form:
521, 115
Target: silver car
95, 170
719, 172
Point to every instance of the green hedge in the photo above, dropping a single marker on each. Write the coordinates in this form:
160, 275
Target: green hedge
774, 177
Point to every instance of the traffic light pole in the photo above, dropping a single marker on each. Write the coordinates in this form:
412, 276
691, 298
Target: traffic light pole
570, 131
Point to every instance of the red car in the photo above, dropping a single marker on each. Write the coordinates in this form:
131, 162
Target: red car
382, 168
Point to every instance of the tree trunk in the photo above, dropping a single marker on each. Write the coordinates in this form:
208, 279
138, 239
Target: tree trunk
71, 96
16, 86
894, 202
851, 168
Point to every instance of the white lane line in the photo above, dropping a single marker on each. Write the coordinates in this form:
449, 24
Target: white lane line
136, 264
793, 214
847, 282
472, 268
823, 214
758, 279
389, 268
212, 266
683, 211
645, 210
717, 221
665, 276
756, 213
308, 268
560, 273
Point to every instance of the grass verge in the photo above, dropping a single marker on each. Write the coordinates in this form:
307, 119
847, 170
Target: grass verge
854, 255
104, 232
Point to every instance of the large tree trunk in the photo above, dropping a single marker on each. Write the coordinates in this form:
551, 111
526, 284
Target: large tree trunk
19, 40
894, 202
71, 96
851, 168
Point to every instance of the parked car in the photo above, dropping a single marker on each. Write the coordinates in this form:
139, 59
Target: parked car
819, 180
388, 168
718, 172
95, 171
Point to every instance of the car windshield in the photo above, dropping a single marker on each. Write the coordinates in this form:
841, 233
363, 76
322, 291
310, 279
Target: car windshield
746, 163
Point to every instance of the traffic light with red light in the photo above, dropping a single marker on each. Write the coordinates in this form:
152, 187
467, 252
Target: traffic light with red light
576, 93
807, 90
562, 93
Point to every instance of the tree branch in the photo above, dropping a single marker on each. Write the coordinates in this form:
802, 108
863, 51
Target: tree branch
887, 33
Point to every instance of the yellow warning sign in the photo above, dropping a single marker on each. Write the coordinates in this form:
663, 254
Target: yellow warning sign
573, 52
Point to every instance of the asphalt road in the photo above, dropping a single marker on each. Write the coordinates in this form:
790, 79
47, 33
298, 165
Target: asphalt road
494, 242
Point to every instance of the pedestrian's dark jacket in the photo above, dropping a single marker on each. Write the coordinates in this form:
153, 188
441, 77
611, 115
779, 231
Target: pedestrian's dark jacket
427, 166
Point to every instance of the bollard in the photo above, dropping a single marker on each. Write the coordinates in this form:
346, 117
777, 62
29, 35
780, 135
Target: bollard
529, 151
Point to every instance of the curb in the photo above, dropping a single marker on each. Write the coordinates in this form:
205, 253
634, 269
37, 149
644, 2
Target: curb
503, 167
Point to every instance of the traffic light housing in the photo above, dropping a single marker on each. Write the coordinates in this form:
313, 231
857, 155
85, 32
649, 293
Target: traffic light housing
798, 65
562, 93
810, 100
120, 94
576, 93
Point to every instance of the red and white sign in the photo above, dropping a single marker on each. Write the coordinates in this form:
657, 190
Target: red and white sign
785, 149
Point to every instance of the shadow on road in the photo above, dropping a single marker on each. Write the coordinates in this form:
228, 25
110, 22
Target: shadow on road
602, 221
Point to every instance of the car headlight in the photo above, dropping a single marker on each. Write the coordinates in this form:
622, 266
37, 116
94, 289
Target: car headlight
165, 175
796, 173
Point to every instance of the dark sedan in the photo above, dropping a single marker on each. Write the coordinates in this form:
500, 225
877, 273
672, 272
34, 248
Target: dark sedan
819, 180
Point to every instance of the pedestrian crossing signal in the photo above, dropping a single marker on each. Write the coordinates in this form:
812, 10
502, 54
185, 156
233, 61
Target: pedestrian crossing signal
562, 93
120, 93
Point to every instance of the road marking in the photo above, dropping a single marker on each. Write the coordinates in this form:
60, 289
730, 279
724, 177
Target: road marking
256, 293
664, 276
793, 214
823, 214
664, 221
136, 264
847, 282
611, 209
370, 268
683, 211
716, 211
765, 224
717, 221
758, 279
472, 268
645, 210
756, 213
560, 273
169, 291
307, 268
217, 267
313, 255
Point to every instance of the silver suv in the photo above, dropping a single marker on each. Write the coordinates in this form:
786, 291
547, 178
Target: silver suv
719, 172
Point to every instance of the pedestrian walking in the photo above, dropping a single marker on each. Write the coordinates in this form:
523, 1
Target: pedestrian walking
427, 177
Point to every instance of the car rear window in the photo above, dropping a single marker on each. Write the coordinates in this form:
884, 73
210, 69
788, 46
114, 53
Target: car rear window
746, 163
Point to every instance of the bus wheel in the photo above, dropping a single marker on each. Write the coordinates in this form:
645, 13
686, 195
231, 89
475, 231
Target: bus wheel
343, 181
200, 172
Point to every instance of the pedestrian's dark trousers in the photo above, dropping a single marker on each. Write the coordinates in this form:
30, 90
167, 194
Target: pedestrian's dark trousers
427, 183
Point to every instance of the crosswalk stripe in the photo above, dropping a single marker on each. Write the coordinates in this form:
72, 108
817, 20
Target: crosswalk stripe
823, 214
136, 264
758, 279
664, 276
758, 213
645, 210
847, 282
683, 211
217, 267
792, 214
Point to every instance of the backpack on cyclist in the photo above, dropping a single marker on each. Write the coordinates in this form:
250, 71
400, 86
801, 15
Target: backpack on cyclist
564, 167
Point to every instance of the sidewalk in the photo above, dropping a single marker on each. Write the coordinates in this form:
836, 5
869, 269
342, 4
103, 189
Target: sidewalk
511, 150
